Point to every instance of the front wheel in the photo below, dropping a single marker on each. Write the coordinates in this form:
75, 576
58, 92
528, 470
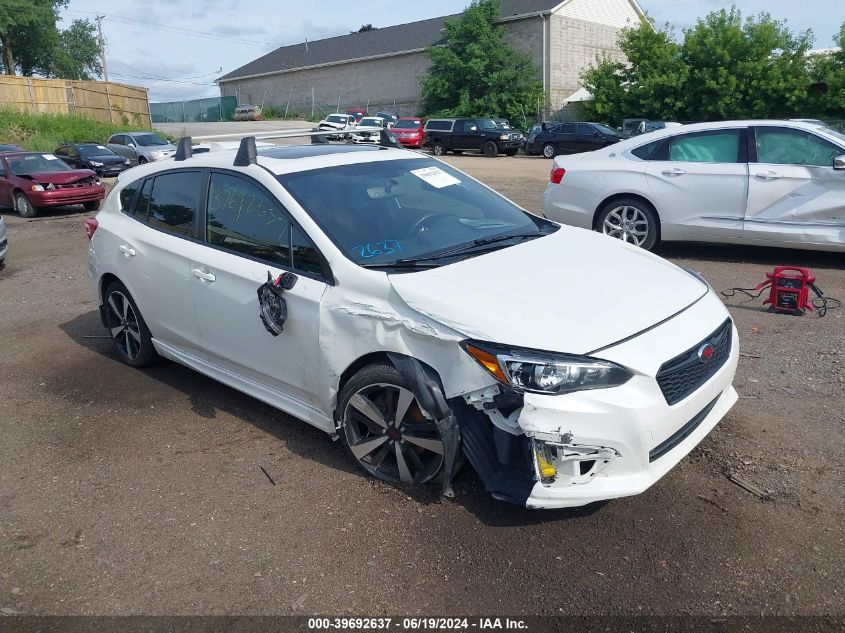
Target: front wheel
23, 206
127, 327
385, 429
630, 220
549, 150
142, 160
439, 149
91, 206
490, 149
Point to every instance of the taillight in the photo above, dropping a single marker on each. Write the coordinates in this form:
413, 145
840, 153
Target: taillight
91, 225
557, 175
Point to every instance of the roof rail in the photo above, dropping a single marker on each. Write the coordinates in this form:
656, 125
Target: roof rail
183, 149
386, 137
247, 153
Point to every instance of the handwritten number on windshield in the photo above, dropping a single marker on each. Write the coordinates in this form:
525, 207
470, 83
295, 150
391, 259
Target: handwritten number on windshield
377, 249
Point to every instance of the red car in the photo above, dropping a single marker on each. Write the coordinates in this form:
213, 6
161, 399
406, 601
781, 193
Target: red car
408, 130
358, 113
30, 180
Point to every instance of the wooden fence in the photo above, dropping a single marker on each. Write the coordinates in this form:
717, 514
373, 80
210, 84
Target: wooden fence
100, 100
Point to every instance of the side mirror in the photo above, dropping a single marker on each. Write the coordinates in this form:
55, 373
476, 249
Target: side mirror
839, 162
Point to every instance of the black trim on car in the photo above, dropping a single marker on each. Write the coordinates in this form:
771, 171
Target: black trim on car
682, 433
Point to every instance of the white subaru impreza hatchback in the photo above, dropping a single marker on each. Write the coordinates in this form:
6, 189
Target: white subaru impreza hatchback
398, 304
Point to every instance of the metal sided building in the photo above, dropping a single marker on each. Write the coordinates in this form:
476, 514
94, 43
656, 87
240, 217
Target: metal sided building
383, 68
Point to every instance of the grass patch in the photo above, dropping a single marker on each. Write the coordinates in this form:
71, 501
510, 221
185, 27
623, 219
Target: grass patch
45, 132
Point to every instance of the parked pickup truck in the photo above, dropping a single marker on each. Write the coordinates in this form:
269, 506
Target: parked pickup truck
459, 135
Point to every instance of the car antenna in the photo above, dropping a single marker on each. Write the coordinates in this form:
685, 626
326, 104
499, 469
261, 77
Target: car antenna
184, 149
247, 154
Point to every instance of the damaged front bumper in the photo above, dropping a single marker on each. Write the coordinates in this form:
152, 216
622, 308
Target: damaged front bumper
553, 451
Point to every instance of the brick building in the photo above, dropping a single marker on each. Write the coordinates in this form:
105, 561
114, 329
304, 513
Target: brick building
383, 68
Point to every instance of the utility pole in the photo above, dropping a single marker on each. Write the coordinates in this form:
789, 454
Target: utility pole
102, 41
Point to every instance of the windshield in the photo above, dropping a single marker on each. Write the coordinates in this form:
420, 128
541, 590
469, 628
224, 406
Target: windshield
336, 119
37, 164
605, 129
94, 150
149, 140
381, 212
504, 125
371, 123
407, 124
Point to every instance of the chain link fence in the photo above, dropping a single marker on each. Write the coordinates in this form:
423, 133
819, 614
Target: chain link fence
195, 110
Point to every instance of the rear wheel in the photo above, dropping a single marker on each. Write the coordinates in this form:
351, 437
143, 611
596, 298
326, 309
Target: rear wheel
490, 149
127, 328
23, 206
549, 150
385, 429
630, 220
439, 149
91, 206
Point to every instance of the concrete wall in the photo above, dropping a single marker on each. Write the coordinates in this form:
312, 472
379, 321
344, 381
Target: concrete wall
381, 81
527, 36
573, 46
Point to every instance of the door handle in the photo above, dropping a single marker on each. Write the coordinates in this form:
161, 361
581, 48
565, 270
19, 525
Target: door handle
768, 175
203, 276
127, 251
675, 171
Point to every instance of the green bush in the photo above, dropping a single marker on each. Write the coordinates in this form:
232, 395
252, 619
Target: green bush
45, 132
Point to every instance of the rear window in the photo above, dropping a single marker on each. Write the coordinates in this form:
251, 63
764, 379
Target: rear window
127, 195
646, 152
174, 202
438, 125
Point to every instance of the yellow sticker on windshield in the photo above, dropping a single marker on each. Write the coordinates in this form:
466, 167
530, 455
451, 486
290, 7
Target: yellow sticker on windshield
436, 177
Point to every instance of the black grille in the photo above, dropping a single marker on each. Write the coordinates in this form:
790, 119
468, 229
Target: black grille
685, 373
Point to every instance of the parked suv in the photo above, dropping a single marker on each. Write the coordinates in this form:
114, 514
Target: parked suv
409, 131
459, 135
395, 303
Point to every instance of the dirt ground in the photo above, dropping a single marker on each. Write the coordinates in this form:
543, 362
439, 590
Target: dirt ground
141, 492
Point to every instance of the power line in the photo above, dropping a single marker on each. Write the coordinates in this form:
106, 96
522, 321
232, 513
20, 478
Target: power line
152, 76
173, 29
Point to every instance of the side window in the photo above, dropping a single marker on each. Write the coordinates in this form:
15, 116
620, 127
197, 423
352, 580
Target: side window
117, 139
719, 146
174, 201
647, 151
127, 195
142, 204
585, 130
305, 255
243, 218
788, 146
566, 128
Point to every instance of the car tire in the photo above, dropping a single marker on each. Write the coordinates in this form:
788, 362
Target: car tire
438, 149
410, 451
631, 220
549, 150
23, 206
91, 206
490, 149
127, 328
142, 160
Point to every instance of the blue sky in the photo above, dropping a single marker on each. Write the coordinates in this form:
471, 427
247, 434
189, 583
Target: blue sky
177, 48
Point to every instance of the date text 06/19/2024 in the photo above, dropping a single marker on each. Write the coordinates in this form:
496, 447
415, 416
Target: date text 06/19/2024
416, 624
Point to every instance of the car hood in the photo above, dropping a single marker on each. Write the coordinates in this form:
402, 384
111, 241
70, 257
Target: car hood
573, 291
158, 148
106, 158
61, 177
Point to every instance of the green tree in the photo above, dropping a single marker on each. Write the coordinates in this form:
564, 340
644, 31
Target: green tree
827, 72
32, 43
723, 68
476, 72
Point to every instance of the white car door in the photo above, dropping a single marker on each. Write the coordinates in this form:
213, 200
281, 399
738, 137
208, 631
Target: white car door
248, 235
795, 195
700, 184
154, 251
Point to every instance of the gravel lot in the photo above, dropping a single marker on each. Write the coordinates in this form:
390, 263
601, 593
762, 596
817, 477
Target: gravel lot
141, 492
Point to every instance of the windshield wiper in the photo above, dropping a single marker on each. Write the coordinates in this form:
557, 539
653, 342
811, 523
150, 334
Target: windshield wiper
401, 264
476, 245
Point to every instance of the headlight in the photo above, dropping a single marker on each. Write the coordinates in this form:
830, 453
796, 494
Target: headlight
503, 137
126, 162
96, 164
37, 188
157, 154
544, 372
